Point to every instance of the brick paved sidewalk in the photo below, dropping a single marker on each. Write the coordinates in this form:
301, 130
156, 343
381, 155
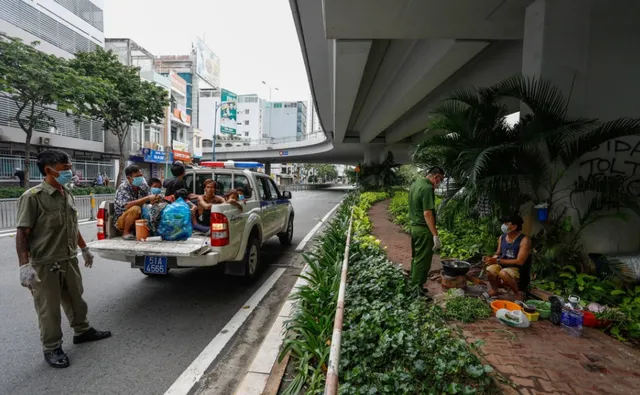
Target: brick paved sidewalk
544, 359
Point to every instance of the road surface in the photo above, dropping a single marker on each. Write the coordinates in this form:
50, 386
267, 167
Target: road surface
159, 325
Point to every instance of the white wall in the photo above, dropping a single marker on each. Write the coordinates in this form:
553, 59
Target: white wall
254, 129
61, 15
281, 122
207, 107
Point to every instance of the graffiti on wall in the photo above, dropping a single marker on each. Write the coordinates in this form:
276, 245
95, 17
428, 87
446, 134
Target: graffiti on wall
616, 158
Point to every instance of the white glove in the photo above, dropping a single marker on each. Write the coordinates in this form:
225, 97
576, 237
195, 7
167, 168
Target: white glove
87, 256
28, 276
437, 245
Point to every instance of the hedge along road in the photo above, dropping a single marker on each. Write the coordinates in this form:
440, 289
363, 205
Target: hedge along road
159, 326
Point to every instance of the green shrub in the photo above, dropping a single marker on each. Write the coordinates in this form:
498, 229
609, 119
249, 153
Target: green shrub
16, 192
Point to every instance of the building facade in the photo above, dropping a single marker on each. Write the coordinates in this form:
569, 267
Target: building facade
63, 27
250, 117
285, 120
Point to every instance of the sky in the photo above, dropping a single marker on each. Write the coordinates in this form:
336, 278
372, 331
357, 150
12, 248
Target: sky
256, 40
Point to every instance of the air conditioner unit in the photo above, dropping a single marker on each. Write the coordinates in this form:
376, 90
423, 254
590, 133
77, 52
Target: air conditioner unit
45, 141
160, 147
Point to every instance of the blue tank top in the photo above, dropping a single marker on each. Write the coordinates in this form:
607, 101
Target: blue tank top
510, 250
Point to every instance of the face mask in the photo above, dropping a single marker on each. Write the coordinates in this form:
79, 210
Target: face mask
240, 197
64, 176
504, 228
138, 181
156, 191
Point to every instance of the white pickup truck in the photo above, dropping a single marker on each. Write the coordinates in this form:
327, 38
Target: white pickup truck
236, 236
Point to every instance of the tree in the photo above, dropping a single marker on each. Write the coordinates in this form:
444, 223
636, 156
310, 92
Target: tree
131, 100
38, 83
324, 171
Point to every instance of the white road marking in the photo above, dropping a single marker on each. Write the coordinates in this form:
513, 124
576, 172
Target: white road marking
8, 233
313, 231
194, 372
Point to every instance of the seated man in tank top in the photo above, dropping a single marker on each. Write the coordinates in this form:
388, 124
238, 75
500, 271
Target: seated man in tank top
514, 250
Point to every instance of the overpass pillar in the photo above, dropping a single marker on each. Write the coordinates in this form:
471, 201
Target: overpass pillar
267, 168
373, 154
586, 49
556, 46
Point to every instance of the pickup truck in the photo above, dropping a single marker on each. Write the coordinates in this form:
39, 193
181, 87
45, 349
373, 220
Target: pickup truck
235, 238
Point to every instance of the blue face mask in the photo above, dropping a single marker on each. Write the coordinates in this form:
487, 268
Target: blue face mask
240, 197
64, 176
138, 181
156, 191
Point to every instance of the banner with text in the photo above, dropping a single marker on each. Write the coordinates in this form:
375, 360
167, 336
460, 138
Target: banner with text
228, 109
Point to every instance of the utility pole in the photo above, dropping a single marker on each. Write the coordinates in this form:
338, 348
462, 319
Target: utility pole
215, 127
270, 106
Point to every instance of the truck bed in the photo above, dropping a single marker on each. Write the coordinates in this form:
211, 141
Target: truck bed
194, 246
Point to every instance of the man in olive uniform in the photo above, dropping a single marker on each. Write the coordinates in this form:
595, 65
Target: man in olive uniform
47, 244
422, 217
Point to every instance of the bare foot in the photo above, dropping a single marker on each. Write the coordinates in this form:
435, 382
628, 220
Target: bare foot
492, 293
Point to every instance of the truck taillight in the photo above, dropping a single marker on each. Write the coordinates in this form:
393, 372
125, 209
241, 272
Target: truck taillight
100, 224
219, 230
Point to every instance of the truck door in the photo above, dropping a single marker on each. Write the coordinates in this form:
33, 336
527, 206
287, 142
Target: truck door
268, 207
280, 214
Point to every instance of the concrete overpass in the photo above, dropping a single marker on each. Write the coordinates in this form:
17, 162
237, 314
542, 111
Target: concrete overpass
376, 67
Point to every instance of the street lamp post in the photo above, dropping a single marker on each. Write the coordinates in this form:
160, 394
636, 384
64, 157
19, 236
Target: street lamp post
215, 126
270, 107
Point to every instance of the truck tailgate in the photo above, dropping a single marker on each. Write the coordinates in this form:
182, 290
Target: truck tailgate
190, 247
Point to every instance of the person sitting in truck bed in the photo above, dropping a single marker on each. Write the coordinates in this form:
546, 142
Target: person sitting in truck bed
130, 196
206, 201
232, 197
173, 185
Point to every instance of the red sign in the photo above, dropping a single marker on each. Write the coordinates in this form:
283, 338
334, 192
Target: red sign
181, 155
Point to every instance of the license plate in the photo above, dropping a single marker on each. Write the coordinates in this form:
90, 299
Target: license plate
155, 264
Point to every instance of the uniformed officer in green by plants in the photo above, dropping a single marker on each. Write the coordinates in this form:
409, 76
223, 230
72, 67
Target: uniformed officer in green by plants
422, 221
47, 244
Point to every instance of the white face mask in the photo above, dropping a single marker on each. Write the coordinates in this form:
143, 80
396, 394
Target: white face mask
504, 228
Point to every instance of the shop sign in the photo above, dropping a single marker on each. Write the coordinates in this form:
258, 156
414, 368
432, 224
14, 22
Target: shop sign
153, 156
181, 155
178, 83
182, 116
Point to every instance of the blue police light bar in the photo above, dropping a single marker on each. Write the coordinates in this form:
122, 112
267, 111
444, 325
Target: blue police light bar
248, 165
232, 164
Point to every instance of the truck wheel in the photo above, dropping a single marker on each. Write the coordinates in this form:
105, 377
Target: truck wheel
252, 259
287, 236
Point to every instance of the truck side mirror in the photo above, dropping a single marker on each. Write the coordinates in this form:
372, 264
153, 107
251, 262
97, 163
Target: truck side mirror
286, 195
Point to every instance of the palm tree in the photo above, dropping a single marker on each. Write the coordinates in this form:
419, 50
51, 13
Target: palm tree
530, 160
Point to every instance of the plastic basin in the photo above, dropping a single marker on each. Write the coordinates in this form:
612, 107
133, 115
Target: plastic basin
504, 304
542, 307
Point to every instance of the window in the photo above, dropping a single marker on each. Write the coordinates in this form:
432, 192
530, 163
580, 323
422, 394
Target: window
263, 188
246, 134
198, 142
240, 181
273, 189
246, 122
246, 111
86, 10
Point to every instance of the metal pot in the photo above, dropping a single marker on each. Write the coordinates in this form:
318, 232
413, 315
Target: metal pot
455, 268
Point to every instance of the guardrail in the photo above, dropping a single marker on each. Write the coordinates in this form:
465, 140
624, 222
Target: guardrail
9, 208
336, 339
303, 187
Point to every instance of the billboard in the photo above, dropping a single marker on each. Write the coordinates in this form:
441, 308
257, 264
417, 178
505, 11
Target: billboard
228, 110
207, 64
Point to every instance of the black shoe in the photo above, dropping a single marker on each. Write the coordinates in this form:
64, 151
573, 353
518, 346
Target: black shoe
91, 335
57, 358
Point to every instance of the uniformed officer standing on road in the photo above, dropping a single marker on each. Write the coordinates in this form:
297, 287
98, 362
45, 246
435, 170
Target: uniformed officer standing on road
47, 244
422, 217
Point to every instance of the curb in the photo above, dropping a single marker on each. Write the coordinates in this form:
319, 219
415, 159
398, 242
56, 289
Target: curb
255, 379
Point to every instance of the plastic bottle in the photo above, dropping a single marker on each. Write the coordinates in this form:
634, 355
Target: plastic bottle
573, 317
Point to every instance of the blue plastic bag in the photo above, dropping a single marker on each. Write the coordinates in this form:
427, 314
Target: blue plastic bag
175, 223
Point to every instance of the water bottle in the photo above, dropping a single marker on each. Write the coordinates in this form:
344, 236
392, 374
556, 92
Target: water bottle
572, 317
